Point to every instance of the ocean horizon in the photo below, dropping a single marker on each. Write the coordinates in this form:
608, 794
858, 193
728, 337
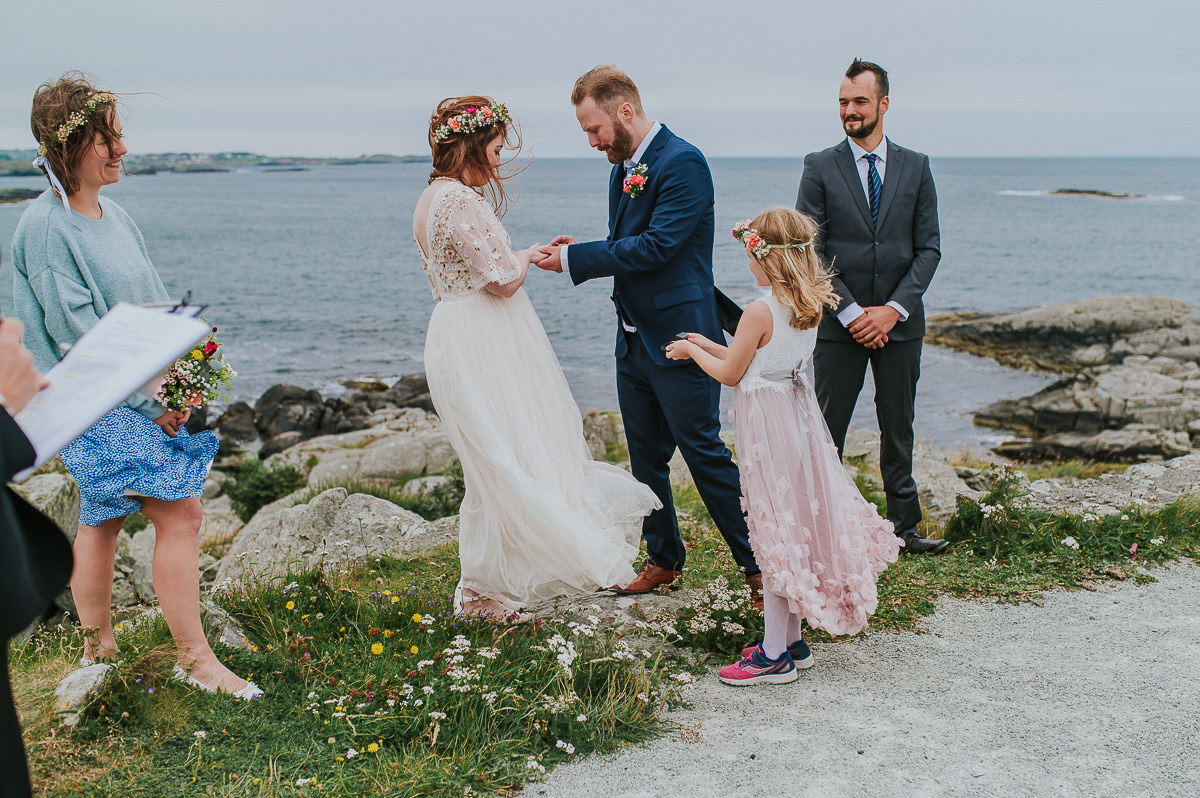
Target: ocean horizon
312, 275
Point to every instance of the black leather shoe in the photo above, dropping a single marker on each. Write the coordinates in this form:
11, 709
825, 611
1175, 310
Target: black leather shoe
919, 545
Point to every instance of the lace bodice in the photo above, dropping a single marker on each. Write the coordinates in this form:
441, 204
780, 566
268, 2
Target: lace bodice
787, 349
468, 247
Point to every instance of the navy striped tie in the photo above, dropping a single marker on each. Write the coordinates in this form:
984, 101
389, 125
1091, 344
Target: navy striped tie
875, 185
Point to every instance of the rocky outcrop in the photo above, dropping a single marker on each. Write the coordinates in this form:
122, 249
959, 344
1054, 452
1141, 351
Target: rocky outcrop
938, 483
410, 442
1089, 332
1149, 486
287, 414
334, 528
1133, 391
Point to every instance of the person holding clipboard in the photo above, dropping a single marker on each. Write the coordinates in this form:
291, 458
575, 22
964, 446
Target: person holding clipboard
77, 254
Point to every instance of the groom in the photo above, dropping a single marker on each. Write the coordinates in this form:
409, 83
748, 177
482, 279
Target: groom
659, 254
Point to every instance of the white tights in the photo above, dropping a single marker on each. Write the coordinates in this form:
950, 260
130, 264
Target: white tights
781, 627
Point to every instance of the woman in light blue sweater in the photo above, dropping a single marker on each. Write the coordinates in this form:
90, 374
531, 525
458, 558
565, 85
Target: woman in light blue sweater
75, 255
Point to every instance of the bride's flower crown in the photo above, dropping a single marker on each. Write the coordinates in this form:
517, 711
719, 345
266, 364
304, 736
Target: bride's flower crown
471, 120
75, 120
752, 240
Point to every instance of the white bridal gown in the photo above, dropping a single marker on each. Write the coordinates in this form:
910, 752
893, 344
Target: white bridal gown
540, 517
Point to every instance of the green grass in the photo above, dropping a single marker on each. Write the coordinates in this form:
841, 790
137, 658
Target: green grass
473, 706
329, 692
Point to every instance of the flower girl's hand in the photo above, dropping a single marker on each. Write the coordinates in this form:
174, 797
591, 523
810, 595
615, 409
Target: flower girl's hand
680, 350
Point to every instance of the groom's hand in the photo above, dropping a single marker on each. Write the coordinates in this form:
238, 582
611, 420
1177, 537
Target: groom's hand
550, 261
872, 327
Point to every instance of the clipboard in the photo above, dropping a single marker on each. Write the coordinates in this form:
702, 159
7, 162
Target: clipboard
113, 360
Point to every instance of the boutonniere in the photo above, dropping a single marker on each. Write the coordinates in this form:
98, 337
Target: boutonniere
635, 183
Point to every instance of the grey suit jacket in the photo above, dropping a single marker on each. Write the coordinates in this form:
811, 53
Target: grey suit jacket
874, 266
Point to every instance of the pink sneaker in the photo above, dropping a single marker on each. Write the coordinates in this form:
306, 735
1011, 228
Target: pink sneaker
758, 669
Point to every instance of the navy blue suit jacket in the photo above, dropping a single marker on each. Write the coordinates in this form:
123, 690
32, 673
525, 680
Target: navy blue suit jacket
659, 248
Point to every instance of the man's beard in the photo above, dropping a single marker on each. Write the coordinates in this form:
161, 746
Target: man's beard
622, 147
864, 130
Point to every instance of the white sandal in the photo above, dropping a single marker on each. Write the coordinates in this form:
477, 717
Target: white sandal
250, 691
510, 616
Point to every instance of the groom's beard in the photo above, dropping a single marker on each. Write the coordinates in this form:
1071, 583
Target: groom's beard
622, 147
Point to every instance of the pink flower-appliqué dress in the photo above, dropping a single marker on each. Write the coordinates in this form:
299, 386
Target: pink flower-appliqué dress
820, 544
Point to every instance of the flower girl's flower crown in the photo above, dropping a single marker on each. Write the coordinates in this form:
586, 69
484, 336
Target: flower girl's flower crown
75, 120
752, 240
471, 120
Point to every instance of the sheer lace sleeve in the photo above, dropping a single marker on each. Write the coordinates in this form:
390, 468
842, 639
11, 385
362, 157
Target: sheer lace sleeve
482, 242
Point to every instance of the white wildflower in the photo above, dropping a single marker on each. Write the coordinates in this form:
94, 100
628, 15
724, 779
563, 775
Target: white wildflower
1071, 542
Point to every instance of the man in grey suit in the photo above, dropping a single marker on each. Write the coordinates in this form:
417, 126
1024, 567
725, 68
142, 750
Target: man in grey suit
877, 209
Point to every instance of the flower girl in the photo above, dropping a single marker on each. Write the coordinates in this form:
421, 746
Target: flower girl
820, 544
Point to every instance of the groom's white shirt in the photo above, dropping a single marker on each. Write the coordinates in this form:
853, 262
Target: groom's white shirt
632, 162
854, 310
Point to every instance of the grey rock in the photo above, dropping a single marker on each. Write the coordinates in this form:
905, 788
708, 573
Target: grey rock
237, 423
938, 484
57, 496
280, 442
421, 486
141, 551
288, 408
1147, 485
332, 529
77, 690
219, 627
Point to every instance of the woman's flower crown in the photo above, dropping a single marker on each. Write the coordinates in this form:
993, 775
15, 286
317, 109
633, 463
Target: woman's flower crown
75, 120
471, 120
752, 240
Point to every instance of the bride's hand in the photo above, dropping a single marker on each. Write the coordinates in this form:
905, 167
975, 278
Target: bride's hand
534, 253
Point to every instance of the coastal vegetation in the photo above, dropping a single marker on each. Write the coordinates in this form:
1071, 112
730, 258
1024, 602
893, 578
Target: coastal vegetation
373, 685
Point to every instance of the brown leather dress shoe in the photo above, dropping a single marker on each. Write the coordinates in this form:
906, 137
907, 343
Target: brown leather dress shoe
650, 578
754, 582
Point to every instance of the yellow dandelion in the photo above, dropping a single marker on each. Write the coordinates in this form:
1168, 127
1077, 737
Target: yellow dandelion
372, 748
291, 605
413, 650
377, 648
387, 592
395, 599
417, 618
197, 354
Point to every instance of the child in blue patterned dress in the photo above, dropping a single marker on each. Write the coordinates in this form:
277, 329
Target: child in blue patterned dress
76, 254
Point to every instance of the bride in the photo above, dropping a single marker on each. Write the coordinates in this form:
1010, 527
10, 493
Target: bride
540, 517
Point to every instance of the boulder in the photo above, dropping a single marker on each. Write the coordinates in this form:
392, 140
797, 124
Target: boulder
237, 423
77, 689
57, 496
938, 483
413, 391
407, 443
422, 486
288, 408
334, 528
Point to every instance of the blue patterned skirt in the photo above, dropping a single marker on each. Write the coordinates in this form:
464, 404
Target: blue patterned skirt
125, 451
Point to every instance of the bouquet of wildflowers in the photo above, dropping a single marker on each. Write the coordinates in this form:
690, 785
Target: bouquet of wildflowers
197, 378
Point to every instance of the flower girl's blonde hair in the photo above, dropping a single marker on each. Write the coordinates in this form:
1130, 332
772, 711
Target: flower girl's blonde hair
798, 277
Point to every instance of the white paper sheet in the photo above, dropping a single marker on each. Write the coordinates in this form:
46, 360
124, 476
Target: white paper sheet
108, 364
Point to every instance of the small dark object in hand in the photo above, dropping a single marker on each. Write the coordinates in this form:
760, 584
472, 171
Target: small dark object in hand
678, 337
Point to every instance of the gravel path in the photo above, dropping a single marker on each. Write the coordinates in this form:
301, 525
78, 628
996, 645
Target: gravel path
1095, 693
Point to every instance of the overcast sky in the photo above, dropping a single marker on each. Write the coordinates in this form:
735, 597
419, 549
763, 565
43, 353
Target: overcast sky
1003, 77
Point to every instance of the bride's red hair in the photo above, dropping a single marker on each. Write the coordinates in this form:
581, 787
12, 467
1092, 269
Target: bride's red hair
466, 154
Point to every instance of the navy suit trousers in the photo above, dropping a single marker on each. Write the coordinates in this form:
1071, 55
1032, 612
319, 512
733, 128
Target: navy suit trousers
668, 407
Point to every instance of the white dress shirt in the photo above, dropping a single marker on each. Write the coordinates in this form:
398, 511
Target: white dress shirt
854, 310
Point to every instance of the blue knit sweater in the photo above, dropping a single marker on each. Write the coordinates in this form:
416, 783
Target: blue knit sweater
66, 277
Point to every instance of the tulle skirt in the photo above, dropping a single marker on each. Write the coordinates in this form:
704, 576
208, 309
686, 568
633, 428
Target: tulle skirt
820, 544
540, 517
